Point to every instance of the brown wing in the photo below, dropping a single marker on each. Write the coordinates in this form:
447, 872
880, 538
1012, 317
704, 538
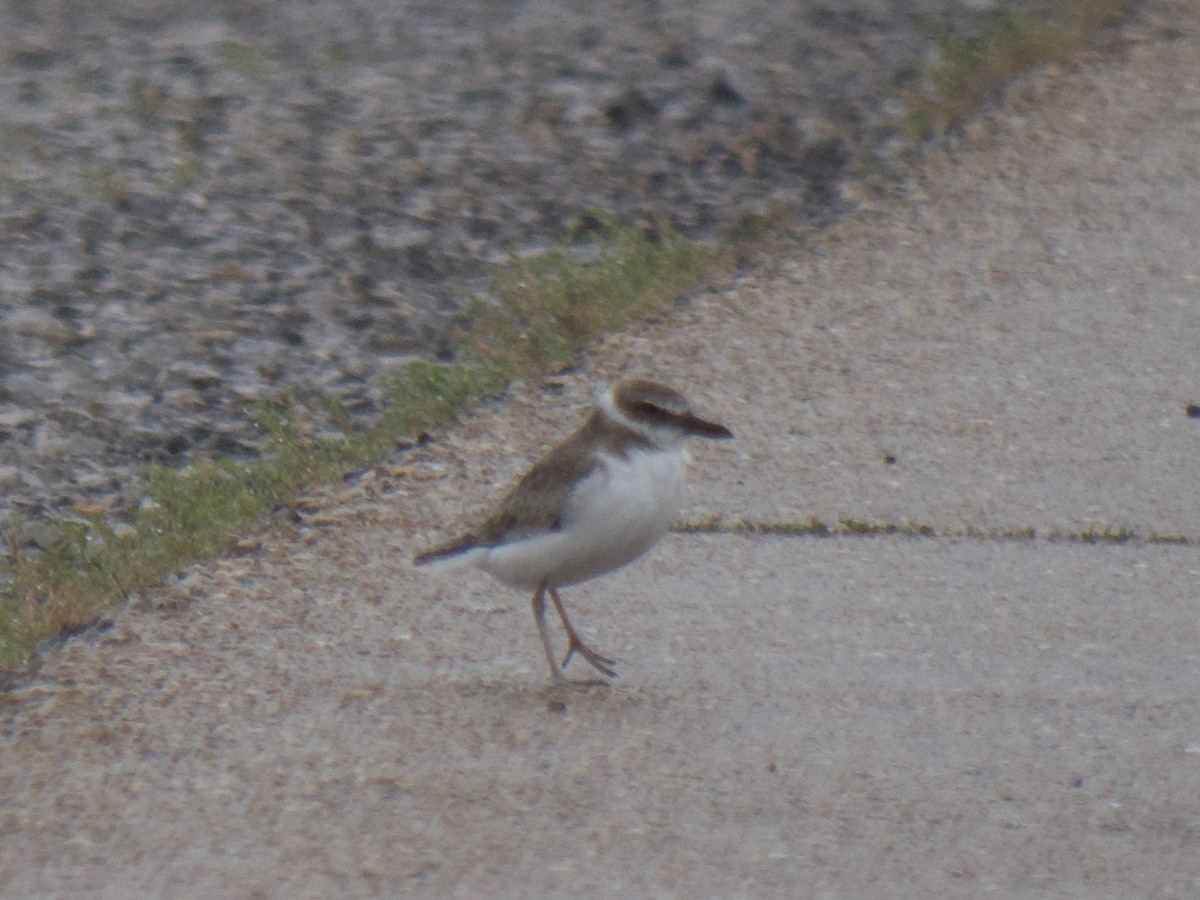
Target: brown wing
535, 502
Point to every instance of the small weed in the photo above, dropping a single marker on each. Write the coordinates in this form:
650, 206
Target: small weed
1157, 538
813, 527
1016, 533
550, 305
858, 526
713, 524
1107, 534
1009, 43
718, 524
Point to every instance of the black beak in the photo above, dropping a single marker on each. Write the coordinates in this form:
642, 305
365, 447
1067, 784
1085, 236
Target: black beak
698, 427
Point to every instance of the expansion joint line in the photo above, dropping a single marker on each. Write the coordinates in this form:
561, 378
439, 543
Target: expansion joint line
852, 527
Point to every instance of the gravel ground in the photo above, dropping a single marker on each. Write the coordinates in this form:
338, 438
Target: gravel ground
207, 204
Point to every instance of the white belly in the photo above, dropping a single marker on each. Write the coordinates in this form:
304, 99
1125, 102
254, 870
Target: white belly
614, 516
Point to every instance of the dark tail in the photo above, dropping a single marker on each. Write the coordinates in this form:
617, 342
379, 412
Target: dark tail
455, 547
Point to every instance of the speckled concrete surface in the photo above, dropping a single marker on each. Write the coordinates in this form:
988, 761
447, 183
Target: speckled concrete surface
841, 717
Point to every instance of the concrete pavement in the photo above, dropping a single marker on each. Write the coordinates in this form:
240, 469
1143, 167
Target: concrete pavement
1009, 342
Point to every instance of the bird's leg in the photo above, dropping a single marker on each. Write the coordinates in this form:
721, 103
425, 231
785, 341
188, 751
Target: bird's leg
539, 613
600, 663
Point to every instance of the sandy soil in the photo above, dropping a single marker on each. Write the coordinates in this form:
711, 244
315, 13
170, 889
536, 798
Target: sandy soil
1009, 342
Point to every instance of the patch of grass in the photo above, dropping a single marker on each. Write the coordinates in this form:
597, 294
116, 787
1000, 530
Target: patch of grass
718, 524
552, 304
548, 307
1014, 533
199, 512
907, 528
710, 524
1009, 43
1106, 534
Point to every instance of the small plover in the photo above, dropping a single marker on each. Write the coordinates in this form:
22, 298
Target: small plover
597, 501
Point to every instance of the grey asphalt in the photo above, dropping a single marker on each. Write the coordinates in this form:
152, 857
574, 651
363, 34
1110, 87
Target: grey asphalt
1006, 342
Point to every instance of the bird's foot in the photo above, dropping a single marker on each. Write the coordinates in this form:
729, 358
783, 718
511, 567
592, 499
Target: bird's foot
598, 661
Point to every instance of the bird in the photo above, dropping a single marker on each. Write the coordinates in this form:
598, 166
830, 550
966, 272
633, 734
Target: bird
592, 504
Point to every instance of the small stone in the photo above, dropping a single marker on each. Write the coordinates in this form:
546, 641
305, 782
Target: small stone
194, 375
15, 418
183, 398
42, 535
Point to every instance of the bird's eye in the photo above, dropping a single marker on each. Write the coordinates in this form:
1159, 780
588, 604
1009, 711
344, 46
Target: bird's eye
652, 412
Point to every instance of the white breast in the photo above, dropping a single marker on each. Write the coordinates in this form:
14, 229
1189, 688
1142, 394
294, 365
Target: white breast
614, 516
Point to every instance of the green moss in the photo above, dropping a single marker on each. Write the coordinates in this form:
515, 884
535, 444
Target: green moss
1107, 534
